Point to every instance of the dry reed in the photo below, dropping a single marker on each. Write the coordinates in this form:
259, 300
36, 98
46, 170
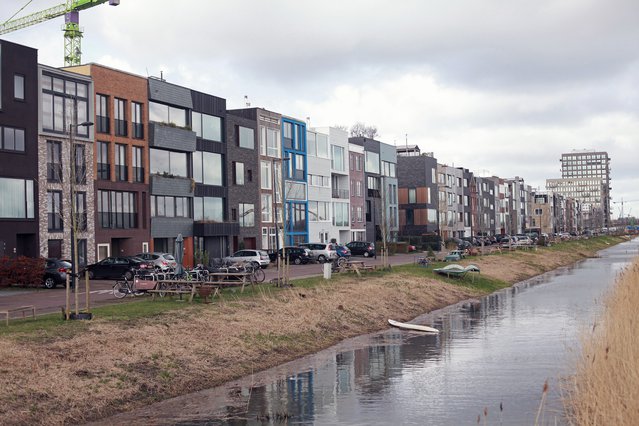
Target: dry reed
605, 388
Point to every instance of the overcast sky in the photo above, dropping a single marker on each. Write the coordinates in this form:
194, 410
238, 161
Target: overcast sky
499, 87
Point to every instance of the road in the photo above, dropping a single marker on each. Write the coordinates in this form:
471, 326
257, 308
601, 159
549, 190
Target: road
49, 301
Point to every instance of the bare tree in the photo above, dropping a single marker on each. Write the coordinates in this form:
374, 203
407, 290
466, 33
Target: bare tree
360, 129
341, 127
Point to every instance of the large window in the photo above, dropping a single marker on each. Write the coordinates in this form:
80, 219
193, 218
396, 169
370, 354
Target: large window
102, 113
246, 215
298, 219
388, 169
238, 173
246, 137
61, 100
340, 214
17, 199
137, 128
372, 162
266, 177
54, 210
81, 211
207, 168
412, 195
267, 207
208, 208
168, 162
138, 163
104, 168
161, 113
54, 161
319, 211
207, 126
270, 143
79, 158
117, 209
120, 163
338, 159
18, 86
169, 206
12, 139
119, 109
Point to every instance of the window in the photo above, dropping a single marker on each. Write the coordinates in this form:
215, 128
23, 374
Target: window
168, 162
372, 162
120, 163
208, 208
270, 142
267, 207
102, 113
166, 114
117, 209
60, 100
287, 134
340, 214
54, 161
17, 199
207, 126
337, 160
238, 173
388, 169
266, 176
412, 195
80, 170
169, 206
322, 145
137, 128
81, 211
207, 168
360, 217
358, 163
246, 215
246, 137
12, 139
104, 168
54, 210
138, 164
18, 86
318, 211
120, 117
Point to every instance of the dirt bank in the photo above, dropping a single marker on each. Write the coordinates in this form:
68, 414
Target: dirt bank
108, 366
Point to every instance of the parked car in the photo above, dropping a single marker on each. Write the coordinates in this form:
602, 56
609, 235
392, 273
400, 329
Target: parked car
294, 254
257, 257
118, 267
361, 248
321, 252
161, 261
342, 250
55, 272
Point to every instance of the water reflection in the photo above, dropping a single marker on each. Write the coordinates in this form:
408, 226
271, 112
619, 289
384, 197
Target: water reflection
491, 360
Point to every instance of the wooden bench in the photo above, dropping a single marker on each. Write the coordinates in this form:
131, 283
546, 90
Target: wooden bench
24, 309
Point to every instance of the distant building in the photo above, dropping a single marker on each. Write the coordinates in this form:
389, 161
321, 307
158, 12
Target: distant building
590, 192
418, 195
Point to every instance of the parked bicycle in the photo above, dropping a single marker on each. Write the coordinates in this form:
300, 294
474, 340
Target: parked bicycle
257, 273
337, 264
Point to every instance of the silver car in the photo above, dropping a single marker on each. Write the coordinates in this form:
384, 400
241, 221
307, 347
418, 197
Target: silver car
257, 257
161, 261
322, 252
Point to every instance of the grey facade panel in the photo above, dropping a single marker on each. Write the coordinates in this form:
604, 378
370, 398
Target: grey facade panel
173, 138
168, 93
170, 227
175, 186
205, 229
208, 104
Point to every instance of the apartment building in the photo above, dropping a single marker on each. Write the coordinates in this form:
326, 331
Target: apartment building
65, 166
418, 194
295, 184
320, 223
358, 191
451, 201
482, 206
121, 161
591, 192
19, 150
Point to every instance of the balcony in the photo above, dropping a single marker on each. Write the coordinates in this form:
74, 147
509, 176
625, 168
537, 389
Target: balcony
169, 137
207, 228
341, 193
172, 186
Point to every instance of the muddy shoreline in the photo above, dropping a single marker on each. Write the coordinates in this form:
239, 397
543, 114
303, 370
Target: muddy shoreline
115, 366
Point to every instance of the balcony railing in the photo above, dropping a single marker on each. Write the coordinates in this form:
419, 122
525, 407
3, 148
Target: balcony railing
340, 193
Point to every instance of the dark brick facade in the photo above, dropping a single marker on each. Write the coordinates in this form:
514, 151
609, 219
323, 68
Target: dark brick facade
417, 173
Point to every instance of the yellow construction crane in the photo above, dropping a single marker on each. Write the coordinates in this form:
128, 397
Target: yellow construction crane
72, 31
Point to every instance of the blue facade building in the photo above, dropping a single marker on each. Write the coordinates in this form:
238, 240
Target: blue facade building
295, 181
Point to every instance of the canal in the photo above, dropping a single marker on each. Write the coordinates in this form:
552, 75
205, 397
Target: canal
487, 366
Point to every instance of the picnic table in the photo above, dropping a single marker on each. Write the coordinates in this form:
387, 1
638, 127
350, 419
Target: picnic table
356, 266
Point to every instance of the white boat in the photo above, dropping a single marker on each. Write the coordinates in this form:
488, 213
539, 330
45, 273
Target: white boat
415, 327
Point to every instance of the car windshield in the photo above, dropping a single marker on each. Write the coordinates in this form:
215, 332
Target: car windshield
169, 257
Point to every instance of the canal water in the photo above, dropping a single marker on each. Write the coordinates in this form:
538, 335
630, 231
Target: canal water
487, 366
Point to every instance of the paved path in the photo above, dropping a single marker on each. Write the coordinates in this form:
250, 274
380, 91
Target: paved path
48, 301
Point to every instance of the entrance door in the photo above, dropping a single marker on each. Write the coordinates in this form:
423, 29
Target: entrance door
104, 251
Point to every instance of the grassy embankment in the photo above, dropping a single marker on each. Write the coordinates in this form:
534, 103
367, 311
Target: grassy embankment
144, 351
605, 388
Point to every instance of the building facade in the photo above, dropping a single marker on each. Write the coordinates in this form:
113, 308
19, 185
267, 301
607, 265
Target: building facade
418, 194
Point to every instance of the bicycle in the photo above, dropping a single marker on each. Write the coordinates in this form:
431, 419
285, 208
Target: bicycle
337, 264
257, 273
122, 288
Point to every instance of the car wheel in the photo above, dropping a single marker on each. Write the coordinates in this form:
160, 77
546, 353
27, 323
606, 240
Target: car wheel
321, 258
49, 282
91, 275
256, 265
366, 254
128, 275
297, 261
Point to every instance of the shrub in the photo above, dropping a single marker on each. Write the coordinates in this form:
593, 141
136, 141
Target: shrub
21, 271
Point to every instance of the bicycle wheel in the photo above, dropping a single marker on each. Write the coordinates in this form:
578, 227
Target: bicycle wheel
162, 289
341, 261
121, 289
259, 275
